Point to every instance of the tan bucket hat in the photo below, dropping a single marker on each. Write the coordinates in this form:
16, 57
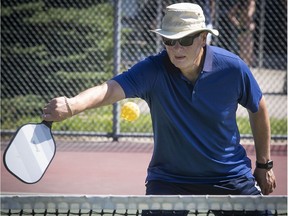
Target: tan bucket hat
183, 19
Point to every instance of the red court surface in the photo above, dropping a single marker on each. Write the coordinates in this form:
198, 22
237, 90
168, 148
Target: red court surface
110, 168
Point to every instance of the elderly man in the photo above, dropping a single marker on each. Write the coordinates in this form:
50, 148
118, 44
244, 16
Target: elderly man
193, 91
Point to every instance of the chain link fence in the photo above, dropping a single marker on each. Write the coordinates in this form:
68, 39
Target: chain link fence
51, 48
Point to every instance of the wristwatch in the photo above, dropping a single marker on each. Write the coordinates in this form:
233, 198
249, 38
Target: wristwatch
268, 165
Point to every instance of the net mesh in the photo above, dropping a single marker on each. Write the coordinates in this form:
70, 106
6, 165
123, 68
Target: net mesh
142, 205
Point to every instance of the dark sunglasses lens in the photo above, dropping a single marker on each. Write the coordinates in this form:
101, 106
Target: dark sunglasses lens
169, 42
186, 41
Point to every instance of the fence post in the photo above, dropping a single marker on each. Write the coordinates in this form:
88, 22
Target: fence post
158, 19
116, 63
215, 20
261, 34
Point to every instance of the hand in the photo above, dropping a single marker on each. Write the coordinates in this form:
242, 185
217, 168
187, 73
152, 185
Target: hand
57, 109
266, 180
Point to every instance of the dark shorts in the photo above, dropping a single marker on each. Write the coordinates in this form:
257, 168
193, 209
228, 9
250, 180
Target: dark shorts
239, 186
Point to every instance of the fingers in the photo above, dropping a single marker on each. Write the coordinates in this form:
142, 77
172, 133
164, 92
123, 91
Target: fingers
271, 181
56, 110
47, 113
266, 180
267, 190
48, 117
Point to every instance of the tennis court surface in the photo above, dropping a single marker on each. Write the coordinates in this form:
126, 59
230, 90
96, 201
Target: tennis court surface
105, 167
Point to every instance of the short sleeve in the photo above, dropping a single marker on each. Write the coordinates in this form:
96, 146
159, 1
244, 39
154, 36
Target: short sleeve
139, 79
250, 92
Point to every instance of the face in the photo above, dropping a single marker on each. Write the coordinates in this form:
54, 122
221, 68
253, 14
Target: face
186, 56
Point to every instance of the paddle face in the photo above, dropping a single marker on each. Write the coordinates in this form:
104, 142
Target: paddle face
30, 152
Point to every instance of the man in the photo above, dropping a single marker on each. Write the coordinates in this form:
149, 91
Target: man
193, 91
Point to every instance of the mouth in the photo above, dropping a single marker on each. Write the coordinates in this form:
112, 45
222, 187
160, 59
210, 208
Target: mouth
180, 57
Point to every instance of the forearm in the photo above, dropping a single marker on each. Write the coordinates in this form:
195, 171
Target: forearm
260, 126
61, 108
95, 97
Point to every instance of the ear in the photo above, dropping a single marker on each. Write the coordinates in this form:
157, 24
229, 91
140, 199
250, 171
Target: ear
204, 37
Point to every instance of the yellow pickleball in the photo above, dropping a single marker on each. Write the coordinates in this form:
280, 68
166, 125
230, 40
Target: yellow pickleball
130, 111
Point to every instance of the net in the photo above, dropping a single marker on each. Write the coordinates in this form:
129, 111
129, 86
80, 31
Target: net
136, 205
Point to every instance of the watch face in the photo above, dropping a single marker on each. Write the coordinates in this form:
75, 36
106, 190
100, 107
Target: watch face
269, 164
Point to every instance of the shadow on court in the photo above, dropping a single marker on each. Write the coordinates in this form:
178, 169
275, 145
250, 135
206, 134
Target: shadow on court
113, 168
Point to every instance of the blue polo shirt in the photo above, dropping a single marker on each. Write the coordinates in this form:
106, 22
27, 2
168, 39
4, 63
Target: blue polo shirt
196, 138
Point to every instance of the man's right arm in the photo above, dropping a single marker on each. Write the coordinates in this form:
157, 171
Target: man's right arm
61, 108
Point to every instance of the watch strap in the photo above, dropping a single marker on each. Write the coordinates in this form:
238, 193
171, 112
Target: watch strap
268, 165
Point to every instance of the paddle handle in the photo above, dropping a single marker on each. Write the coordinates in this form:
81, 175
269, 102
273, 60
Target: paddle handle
47, 123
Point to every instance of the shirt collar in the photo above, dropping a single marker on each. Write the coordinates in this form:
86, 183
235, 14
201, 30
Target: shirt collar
208, 59
208, 62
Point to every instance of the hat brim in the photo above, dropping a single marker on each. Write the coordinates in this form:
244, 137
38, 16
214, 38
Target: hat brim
178, 35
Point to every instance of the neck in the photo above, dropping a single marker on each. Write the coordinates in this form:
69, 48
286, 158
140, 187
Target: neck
193, 72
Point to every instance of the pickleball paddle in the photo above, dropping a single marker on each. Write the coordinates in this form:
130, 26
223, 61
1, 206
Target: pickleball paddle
30, 152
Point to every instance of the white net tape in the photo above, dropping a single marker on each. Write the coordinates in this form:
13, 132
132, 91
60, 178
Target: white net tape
69, 202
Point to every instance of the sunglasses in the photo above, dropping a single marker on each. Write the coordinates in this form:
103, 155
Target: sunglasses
185, 41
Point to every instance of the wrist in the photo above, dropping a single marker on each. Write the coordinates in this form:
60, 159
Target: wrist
268, 165
263, 157
69, 107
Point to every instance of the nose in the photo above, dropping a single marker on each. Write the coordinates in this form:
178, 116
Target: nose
177, 45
